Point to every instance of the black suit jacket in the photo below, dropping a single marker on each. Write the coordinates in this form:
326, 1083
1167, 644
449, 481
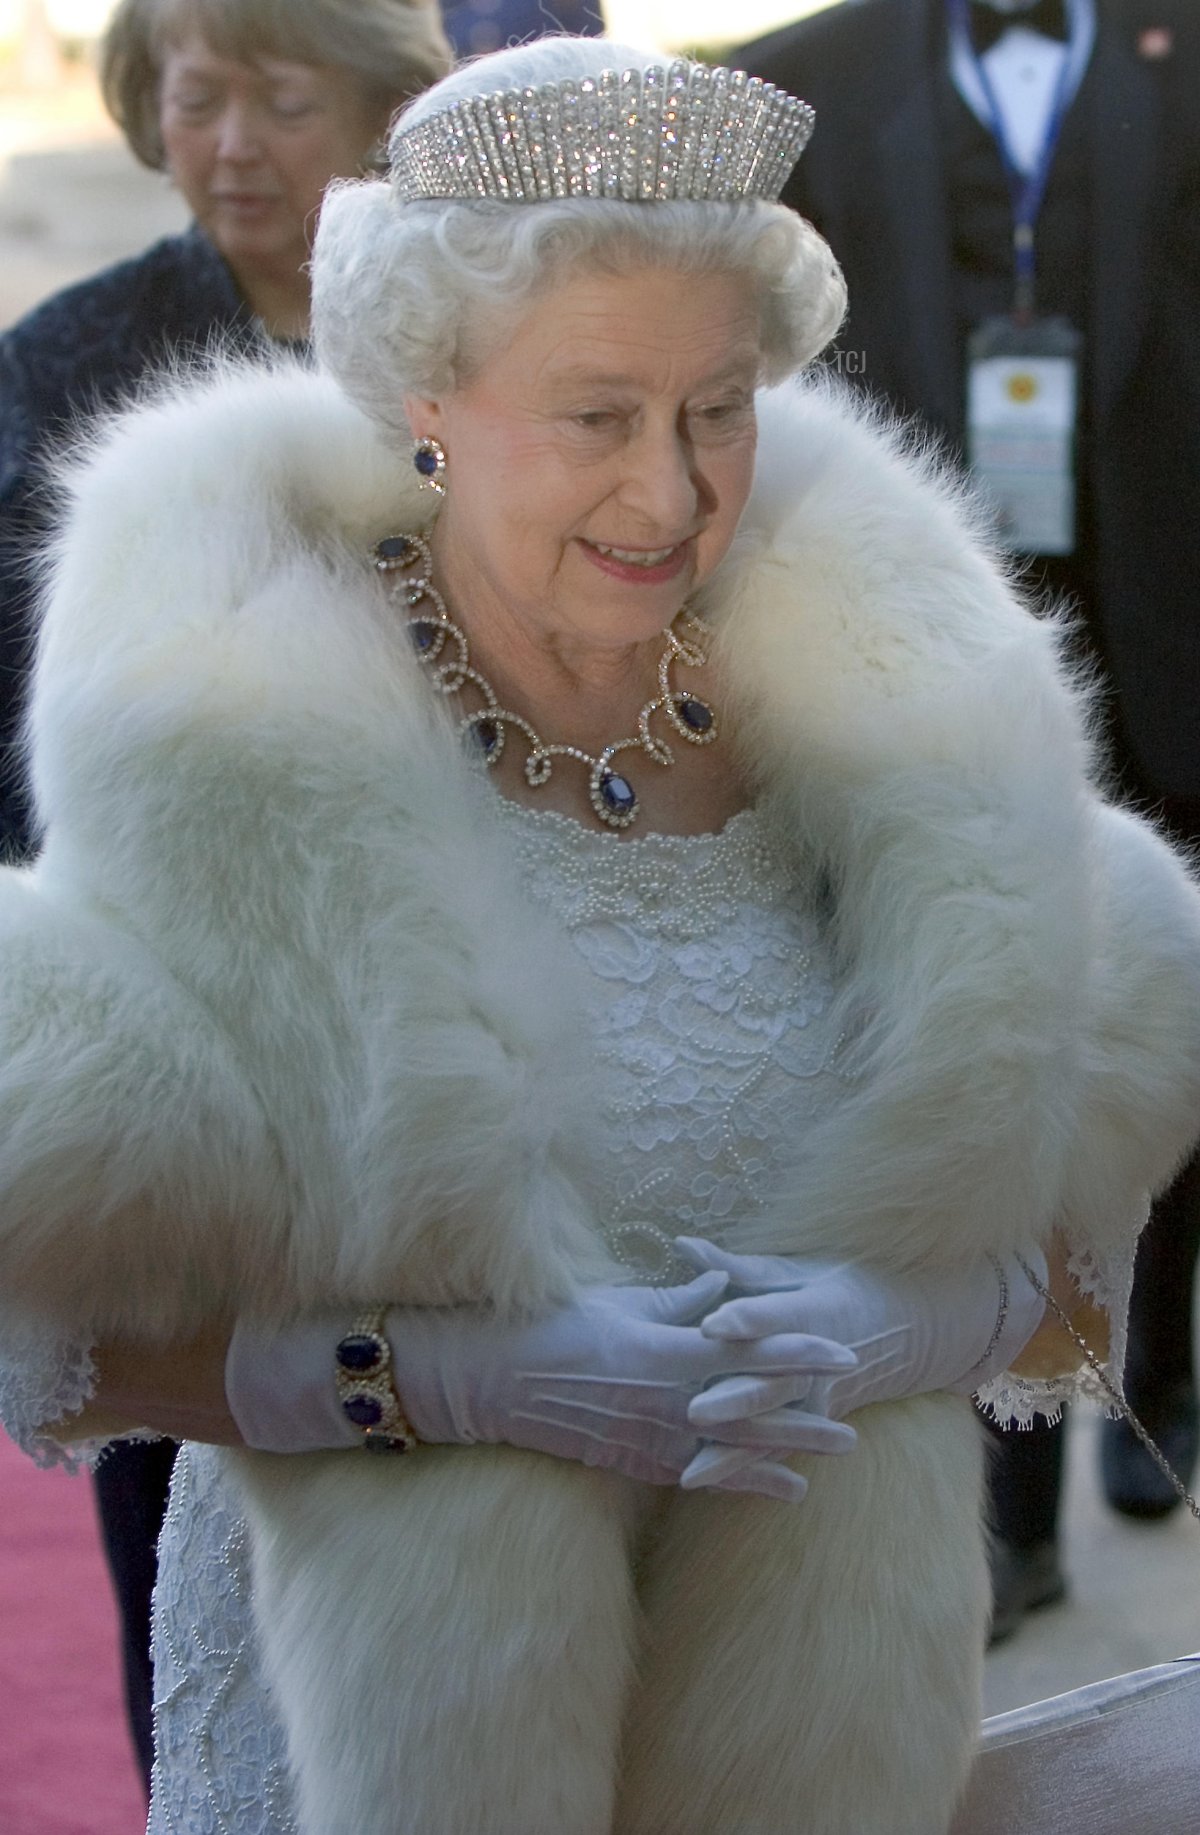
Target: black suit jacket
874, 181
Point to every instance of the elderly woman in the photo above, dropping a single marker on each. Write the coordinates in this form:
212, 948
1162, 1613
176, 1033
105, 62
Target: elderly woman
503, 855
250, 107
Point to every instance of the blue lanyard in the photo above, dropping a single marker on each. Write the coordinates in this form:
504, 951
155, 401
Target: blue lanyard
1028, 193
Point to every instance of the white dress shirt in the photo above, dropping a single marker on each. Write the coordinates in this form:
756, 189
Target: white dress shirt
1024, 69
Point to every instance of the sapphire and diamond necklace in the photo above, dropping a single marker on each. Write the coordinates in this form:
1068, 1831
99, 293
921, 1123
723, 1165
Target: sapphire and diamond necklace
406, 565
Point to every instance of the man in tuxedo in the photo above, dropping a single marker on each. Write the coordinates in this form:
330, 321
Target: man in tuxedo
1001, 176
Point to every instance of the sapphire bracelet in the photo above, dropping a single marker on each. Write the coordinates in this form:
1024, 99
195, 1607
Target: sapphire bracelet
366, 1389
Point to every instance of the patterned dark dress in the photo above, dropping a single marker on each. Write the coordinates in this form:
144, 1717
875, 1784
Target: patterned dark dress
86, 349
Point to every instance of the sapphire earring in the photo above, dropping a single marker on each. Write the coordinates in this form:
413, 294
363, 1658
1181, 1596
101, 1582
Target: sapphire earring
429, 459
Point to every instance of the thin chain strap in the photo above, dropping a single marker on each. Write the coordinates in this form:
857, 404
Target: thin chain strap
1111, 1389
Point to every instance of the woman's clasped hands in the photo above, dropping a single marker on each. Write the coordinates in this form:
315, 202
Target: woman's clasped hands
608, 1380
711, 1384
952, 1331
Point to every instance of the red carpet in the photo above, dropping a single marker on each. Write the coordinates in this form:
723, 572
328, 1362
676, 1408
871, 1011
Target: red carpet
65, 1763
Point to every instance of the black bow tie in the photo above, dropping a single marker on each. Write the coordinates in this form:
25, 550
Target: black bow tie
988, 26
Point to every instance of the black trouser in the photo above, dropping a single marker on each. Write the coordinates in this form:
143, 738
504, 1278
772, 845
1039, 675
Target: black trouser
132, 1481
1161, 1337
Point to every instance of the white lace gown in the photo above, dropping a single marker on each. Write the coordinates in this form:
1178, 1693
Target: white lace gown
713, 1024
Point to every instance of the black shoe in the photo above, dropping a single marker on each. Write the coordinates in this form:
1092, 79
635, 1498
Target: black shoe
1023, 1580
1133, 1484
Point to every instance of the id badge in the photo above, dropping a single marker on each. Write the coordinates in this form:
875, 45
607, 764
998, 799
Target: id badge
1022, 414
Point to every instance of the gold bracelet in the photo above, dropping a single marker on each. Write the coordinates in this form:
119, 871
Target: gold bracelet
366, 1387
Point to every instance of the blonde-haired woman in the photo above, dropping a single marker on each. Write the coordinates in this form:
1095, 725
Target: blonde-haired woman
251, 107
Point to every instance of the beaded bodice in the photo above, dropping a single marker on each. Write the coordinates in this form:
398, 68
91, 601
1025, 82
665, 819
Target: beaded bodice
711, 1018
712, 991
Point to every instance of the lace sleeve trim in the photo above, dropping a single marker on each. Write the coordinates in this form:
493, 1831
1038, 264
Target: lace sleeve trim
43, 1378
1013, 1401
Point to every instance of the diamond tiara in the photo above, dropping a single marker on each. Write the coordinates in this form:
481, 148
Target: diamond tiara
644, 136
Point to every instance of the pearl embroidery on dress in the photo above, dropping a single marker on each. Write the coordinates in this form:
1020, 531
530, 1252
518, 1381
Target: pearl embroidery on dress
220, 1756
714, 996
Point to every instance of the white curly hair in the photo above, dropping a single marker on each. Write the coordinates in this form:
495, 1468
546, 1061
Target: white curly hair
409, 297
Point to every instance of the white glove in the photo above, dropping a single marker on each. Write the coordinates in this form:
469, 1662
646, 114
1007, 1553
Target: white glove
911, 1335
607, 1381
